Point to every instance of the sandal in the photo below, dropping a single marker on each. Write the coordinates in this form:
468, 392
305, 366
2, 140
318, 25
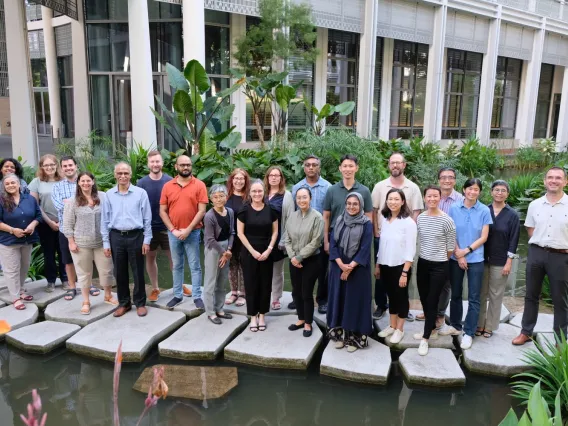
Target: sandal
487, 334
93, 291
261, 327
26, 297
253, 328
111, 300
19, 305
276, 305
479, 332
70, 294
86, 308
231, 299
241, 301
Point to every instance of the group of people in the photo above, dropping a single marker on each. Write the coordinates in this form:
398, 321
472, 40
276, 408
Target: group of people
327, 232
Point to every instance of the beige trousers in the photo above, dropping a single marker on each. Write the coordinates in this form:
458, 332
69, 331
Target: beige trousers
278, 279
83, 261
15, 264
493, 288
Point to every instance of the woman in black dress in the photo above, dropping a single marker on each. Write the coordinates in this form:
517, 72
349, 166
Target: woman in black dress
257, 228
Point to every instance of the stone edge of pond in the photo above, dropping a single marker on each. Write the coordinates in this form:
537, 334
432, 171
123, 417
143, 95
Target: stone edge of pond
41, 349
430, 381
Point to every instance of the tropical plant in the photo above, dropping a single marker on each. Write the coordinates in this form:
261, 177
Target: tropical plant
528, 157
476, 159
548, 148
37, 264
328, 114
538, 412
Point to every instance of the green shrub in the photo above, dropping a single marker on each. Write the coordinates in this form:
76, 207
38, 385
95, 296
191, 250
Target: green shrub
538, 411
527, 158
476, 160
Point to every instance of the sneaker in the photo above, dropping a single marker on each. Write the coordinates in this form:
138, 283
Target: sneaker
410, 317
351, 349
418, 336
292, 306
199, 304
386, 332
396, 336
174, 302
322, 309
339, 344
50, 287
449, 331
186, 291
433, 336
466, 342
379, 313
154, 295
423, 348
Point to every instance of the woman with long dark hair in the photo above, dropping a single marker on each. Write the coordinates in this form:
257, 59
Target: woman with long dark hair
10, 166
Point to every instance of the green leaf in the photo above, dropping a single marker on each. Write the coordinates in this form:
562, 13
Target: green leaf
326, 111
176, 78
182, 103
537, 407
225, 112
557, 410
345, 108
524, 421
196, 75
232, 141
229, 90
160, 118
206, 143
205, 173
224, 134
236, 73
510, 419
209, 104
284, 95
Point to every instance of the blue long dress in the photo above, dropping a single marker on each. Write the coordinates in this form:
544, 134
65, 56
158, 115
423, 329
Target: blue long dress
349, 302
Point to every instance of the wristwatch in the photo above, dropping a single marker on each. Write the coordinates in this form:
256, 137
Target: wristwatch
470, 249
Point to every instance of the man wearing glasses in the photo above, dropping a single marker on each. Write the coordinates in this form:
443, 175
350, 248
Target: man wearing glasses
318, 187
182, 207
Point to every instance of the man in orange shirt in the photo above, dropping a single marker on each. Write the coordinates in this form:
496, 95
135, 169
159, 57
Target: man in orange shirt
182, 207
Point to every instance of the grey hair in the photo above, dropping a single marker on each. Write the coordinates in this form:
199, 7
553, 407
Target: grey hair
122, 163
10, 175
500, 182
258, 181
218, 188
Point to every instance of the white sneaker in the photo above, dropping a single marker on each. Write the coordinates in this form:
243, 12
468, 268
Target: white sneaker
423, 348
386, 332
397, 336
449, 331
467, 341
418, 336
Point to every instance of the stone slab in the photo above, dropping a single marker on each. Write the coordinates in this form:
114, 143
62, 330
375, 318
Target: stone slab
410, 328
69, 311
17, 319
544, 323
277, 347
200, 339
497, 356
321, 319
284, 301
37, 290
438, 368
41, 337
504, 317
187, 306
370, 365
544, 339
138, 334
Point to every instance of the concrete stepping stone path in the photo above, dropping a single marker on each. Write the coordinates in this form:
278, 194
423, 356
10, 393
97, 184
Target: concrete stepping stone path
69, 311
277, 347
544, 323
187, 306
438, 368
17, 319
37, 290
284, 301
504, 317
200, 339
138, 334
370, 365
41, 337
497, 356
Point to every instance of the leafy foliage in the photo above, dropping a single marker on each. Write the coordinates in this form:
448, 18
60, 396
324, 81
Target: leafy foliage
538, 412
37, 264
322, 115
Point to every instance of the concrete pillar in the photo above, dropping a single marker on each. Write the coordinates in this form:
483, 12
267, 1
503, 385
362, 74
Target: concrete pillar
434, 83
143, 121
194, 31
386, 89
52, 75
81, 106
239, 118
320, 67
562, 131
488, 74
367, 57
22, 114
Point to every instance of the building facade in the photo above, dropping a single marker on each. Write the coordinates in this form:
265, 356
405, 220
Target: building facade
442, 69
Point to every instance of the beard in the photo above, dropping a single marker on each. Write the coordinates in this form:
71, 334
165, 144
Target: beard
396, 173
185, 173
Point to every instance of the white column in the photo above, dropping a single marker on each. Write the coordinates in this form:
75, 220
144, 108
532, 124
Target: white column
488, 74
320, 67
22, 115
367, 58
81, 108
143, 121
239, 118
386, 89
52, 75
434, 84
529, 92
562, 131
194, 31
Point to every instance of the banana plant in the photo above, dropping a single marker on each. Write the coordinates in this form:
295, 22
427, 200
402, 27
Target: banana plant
321, 115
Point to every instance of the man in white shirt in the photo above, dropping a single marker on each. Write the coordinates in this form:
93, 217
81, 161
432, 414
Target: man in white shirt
547, 226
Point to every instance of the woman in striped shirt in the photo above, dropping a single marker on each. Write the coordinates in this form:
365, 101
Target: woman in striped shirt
437, 240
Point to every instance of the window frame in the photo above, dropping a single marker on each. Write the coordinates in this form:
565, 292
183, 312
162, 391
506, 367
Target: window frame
500, 131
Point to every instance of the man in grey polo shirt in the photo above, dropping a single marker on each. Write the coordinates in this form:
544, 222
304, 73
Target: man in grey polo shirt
547, 226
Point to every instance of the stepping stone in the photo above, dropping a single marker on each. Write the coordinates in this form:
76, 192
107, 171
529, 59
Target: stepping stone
370, 365
438, 368
321, 319
277, 347
187, 306
544, 323
37, 290
200, 339
544, 339
17, 319
410, 328
41, 337
504, 317
284, 301
138, 334
69, 311
497, 356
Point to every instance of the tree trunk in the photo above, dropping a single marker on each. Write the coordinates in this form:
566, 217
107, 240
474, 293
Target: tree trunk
259, 129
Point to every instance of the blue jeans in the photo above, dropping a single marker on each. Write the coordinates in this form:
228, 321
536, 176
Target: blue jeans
474, 281
191, 248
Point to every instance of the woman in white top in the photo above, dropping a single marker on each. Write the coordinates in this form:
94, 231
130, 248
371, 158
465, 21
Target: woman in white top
397, 248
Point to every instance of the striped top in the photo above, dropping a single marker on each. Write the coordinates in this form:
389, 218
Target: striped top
446, 202
436, 236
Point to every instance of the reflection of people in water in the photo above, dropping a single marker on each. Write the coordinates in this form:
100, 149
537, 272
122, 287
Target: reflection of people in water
94, 403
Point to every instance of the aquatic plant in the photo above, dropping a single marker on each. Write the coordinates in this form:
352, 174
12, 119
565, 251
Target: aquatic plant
116, 382
158, 389
537, 413
35, 417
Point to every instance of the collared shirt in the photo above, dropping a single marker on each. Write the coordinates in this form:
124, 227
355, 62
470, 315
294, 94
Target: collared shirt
446, 202
469, 224
23, 214
125, 212
62, 190
503, 236
335, 199
550, 222
319, 189
183, 201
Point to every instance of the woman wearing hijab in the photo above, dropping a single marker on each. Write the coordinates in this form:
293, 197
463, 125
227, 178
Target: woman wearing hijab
349, 300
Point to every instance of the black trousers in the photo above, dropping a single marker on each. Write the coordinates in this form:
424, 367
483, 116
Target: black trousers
50, 245
431, 278
398, 296
258, 282
303, 281
323, 259
127, 250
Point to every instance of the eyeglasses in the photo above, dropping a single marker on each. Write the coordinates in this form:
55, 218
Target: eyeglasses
396, 163
49, 166
447, 178
500, 190
274, 176
123, 173
312, 165
239, 178
184, 166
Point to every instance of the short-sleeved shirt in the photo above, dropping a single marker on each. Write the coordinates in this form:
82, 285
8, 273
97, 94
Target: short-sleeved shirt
335, 199
447, 202
318, 190
183, 201
550, 222
258, 225
469, 224
44, 189
154, 189
411, 192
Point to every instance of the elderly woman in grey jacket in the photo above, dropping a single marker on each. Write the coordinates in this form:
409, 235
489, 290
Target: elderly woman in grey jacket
219, 234
303, 238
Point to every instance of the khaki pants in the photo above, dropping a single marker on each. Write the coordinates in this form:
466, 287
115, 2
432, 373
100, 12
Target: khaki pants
15, 263
83, 261
493, 288
278, 279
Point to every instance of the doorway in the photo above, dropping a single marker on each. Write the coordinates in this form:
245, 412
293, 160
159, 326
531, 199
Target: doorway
43, 116
556, 116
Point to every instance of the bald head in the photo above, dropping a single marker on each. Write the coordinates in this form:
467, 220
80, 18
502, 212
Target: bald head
397, 164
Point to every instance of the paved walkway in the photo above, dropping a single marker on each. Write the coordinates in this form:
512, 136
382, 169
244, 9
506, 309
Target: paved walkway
45, 145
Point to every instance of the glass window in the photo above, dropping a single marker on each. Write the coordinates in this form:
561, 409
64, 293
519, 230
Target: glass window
119, 45
99, 44
166, 45
97, 9
100, 105
377, 87
67, 115
39, 72
217, 51
543, 100
216, 17
299, 115
65, 70
161, 10
506, 99
463, 82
